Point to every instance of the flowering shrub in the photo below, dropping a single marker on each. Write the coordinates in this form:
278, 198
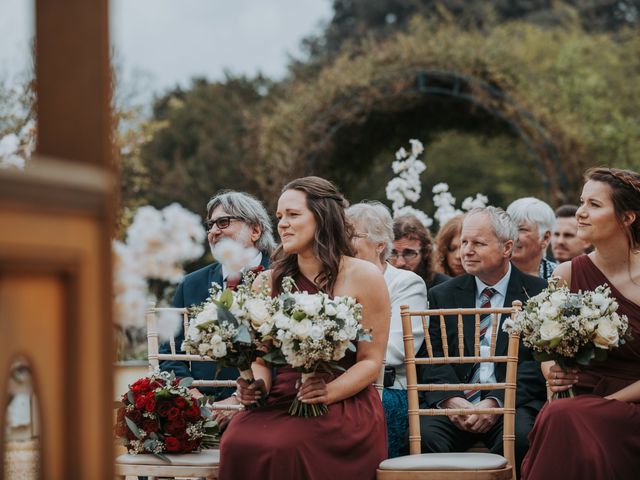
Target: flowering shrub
408, 187
16, 149
570, 328
158, 415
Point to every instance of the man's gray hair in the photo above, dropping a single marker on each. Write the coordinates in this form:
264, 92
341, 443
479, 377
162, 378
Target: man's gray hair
376, 219
250, 210
534, 211
501, 223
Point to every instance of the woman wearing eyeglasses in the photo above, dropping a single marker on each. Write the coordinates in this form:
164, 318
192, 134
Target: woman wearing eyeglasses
372, 241
413, 250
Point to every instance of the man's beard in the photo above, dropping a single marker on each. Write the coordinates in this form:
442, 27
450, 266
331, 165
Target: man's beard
242, 237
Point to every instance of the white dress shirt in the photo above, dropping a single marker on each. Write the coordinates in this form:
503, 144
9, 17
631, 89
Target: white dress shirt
497, 301
405, 288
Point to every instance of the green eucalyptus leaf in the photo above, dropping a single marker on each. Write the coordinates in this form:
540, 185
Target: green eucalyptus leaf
131, 397
133, 427
226, 298
186, 382
243, 335
224, 315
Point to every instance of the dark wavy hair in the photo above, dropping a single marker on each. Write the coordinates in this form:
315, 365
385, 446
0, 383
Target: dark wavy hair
412, 228
625, 194
332, 238
445, 236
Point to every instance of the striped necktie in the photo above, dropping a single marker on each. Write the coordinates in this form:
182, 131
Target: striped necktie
485, 320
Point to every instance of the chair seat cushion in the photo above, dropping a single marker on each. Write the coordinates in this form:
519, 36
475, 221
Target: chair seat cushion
446, 461
203, 458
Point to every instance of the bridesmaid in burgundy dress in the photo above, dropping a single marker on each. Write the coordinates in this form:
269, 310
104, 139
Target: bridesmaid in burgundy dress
596, 435
350, 440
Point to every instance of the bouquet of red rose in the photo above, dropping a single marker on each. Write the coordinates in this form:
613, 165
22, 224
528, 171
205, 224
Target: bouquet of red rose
158, 415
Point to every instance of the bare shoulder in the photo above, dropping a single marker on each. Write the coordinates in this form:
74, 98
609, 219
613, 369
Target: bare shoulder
564, 272
356, 269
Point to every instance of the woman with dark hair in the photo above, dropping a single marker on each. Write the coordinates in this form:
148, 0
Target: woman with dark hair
448, 247
413, 250
595, 434
350, 440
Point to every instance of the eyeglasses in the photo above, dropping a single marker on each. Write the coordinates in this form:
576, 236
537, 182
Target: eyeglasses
407, 254
220, 222
360, 235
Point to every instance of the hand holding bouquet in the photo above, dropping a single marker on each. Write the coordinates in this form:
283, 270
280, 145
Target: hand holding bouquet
313, 332
158, 415
570, 328
226, 326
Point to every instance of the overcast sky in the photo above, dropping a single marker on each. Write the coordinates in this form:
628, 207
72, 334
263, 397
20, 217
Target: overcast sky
167, 42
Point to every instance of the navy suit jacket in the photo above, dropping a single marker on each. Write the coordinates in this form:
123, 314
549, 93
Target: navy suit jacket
460, 292
194, 290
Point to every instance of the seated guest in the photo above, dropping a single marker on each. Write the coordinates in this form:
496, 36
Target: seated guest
487, 238
536, 223
565, 243
448, 247
595, 434
413, 250
372, 241
241, 217
349, 440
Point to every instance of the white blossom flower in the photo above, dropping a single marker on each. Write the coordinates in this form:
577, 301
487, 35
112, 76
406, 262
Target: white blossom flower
550, 330
606, 335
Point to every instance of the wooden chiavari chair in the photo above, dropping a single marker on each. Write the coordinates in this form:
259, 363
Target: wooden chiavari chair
466, 465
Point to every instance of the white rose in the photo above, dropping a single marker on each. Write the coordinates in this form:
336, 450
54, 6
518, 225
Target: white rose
606, 335
219, 349
302, 328
203, 348
210, 312
281, 320
587, 312
550, 330
557, 298
316, 332
342, 311
309, 304
257, 310
599, 300
548, 311
194, 333
330, 309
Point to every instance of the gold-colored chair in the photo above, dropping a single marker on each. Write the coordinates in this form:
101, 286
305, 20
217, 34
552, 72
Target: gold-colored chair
464, 465
202, 464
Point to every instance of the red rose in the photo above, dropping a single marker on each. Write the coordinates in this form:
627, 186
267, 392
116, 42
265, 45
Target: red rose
180, 402
134, 415
140, 401
176, 426
172, 444
150, 426
193, 412
141, 386
173, 413
163, 407
150, 403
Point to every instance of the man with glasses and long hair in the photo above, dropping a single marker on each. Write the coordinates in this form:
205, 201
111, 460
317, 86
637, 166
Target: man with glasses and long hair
413, 250
240, 217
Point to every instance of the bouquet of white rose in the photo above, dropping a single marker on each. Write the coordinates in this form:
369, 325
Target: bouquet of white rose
312, 332
227, 326
570, 328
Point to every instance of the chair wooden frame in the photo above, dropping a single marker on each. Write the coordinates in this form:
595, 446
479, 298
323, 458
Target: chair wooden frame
393, 469
187, 465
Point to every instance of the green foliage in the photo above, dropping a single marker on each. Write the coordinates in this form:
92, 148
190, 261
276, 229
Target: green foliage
206, 141
575, 85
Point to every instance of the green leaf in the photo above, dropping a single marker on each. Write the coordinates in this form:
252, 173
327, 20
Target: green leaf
243, 335
130, 397
600, 355
584, 356
275, 357
226, 298
298, 316
186, 382
224, 315
204, 326
133, 427
543, 356
163, 457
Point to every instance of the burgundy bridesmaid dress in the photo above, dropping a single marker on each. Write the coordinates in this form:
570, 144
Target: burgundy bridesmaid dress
589, 437
267, 443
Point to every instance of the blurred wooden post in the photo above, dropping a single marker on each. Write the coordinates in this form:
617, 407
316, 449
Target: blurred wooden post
56, 222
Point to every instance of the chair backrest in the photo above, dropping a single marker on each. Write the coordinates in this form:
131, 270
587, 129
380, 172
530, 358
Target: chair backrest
153, 346
454, 317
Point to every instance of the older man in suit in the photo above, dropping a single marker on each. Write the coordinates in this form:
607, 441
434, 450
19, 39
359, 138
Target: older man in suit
241, 217
487, 239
